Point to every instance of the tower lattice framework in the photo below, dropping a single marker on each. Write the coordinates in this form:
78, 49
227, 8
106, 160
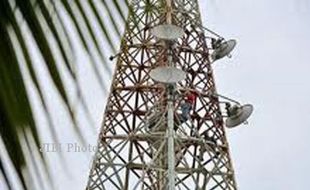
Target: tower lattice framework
132, 145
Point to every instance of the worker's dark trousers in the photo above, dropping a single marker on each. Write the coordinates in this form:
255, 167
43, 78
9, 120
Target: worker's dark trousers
185, 108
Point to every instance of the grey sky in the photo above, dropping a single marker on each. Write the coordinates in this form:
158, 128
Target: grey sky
270, 69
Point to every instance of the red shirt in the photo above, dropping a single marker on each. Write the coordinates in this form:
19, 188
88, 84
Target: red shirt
191, 98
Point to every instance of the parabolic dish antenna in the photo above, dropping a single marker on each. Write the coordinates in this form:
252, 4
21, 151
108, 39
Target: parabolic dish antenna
241, 114
167, 32
224, 49
168, 75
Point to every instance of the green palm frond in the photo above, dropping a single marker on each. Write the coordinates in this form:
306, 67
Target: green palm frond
42, 25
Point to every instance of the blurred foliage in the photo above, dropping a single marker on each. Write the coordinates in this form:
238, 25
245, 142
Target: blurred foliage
43, 22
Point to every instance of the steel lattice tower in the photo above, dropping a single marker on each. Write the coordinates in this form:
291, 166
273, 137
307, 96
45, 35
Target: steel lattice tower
131, 154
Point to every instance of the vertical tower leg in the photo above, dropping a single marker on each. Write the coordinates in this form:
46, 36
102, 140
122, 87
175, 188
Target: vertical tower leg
171, 152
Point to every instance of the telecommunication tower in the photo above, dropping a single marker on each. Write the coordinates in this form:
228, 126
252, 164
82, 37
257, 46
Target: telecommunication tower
149, 139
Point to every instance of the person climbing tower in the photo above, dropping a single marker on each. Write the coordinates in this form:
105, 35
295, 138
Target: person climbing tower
187, 105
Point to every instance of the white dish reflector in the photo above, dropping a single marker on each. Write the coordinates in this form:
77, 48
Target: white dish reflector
168, 75
240, 115
224, 49
167, 32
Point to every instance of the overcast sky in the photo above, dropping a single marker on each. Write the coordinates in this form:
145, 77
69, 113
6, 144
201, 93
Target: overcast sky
270, 69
